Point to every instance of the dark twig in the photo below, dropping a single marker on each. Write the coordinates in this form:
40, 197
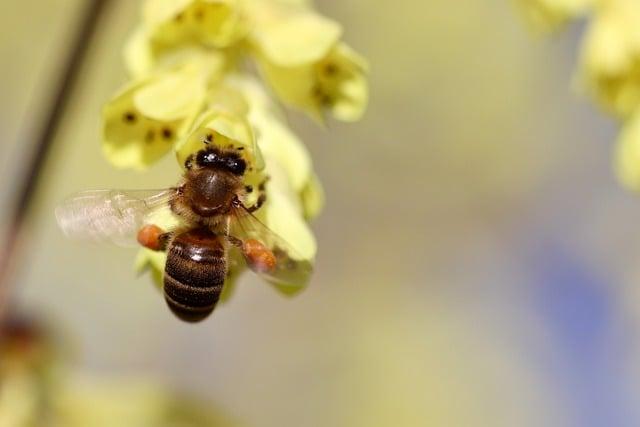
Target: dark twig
88, 23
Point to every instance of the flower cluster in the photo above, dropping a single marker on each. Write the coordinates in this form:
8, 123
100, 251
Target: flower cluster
609, 67
206, 70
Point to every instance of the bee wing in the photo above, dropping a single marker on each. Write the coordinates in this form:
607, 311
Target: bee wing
290, 273
110, 215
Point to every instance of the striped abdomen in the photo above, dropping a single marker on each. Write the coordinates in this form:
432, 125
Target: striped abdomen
194, 274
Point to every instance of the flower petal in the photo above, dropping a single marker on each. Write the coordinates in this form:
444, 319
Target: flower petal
225, 130
274, 138
138, 54
283, 213
172, 97
611, 57
292, 36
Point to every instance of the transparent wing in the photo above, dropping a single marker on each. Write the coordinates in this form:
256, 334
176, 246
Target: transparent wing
287, 269
110, 215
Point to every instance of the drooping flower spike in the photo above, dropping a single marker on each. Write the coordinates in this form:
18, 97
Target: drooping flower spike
193, 85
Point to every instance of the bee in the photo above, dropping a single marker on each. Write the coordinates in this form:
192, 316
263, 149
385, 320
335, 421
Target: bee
209, 203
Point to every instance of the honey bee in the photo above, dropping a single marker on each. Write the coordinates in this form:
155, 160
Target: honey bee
213, 221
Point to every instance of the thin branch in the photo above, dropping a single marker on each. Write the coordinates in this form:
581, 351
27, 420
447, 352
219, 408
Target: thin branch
88, 24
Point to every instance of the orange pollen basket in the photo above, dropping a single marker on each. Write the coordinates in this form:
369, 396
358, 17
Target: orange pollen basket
259, 256
149, 236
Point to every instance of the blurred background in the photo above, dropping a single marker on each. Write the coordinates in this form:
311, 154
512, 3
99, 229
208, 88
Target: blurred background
477, 260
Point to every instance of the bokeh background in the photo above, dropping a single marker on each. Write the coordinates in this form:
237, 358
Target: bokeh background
477, 264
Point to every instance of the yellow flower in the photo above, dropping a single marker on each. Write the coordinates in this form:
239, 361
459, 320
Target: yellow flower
283, 213
143, 121
212, 23
142, 56
611, 56
302, 58
548, 15
280, 145
226, 130
273, 136
185, 59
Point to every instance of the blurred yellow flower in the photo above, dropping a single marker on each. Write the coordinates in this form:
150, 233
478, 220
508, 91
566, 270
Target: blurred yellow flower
611, 56
548, 15
36, 389
609, 67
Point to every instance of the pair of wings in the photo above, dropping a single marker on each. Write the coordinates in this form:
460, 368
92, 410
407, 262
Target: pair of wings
117, 215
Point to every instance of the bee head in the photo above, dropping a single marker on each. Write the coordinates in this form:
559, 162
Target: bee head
225, 160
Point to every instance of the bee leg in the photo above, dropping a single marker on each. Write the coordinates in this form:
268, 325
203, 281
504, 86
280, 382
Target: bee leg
164, 240
235, 241
188, 164
261, 199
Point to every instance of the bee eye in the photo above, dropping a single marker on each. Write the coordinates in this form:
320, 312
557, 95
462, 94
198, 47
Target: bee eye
236, 166
207, 158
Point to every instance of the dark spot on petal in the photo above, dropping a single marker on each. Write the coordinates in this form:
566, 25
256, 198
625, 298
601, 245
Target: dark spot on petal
330, 69
167, 133
208, 138
320, 96
179, 17
129, 117
240, 148
248, 189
